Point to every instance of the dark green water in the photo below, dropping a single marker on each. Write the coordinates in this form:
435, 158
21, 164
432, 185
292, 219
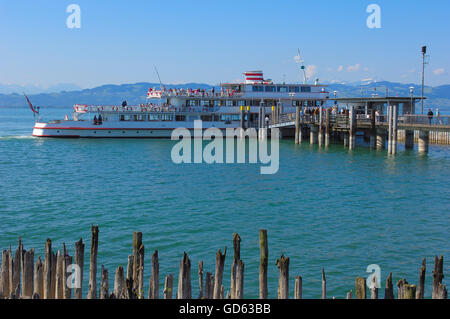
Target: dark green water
329, 208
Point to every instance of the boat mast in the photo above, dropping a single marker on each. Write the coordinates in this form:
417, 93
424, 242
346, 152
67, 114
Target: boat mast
302, 67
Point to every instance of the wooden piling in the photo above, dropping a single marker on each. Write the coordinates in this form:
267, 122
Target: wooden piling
297, 125
67, 262
298, 290
400, 287
264, 257
324, 285
184, 279
168, 287
38, 280
48, 269
137, 253
200, 279
28, 274
53, 279
421, 291
374, 288
389, 290
283, 278
15, 270
79, 261
4, 278
220, 261
119, 283
438, 275
360, 288
409, 291
208, 285
59, 281
349, 295
104, 284
154, 279
239, 287
130, 269
236, 258
327, 127
92, 292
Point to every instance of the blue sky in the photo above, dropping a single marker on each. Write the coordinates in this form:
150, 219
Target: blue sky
215, 41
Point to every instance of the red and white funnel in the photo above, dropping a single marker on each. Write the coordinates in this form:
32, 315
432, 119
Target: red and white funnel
254, 77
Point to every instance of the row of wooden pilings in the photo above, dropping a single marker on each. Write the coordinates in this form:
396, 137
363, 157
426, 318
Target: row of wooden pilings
48, 279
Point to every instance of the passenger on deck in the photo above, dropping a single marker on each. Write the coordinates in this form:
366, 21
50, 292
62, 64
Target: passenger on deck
95, 120
430, 115
100, 120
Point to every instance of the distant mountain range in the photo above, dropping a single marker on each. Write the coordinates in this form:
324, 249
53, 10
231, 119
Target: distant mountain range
437, 97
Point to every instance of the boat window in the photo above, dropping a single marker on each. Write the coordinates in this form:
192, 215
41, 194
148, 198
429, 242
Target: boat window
306, 89
216, 103
270, 88
153, 117
258, 88
206, 118
294, 89
166, 117
180, 118
282, 89
236, 117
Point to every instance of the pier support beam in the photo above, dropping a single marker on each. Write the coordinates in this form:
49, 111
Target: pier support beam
352, 136
373, 131
320, 136
327, 127
313, 136
381, 139
297, 124
424, 137
345, 137
394, 129
409, 139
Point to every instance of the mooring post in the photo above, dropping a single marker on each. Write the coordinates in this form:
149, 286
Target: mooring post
360, 288
200, 279
298, 290
168, 287
27, 274
236, 258
154, 279
438, 275
220, 261
421, 291
79, 261
297, 124
324, 285
104, 284
48, 270
38, 281
92, 292
119, 283
264, 256
283, 279
184, 279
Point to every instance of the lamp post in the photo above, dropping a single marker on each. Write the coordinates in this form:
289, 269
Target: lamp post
424, 51
411, 90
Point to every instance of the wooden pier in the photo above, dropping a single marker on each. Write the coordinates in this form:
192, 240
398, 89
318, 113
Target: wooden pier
47, 278
380, 122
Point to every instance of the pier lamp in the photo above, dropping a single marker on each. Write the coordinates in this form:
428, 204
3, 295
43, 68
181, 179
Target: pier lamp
411, 90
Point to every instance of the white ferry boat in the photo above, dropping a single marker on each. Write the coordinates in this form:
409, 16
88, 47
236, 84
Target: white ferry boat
221, 108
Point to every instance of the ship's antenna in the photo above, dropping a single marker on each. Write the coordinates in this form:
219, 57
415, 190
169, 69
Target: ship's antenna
157, 73
302, 65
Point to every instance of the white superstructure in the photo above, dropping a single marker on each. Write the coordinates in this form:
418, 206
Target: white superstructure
175, 108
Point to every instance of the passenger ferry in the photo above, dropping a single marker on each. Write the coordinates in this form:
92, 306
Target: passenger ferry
179, 108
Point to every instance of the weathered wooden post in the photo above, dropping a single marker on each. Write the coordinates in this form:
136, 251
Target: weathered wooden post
360, 288
200, 279
239, 287
79, 261
92, 292
27, 274
349, 295
421, 291
48, 270
184, 279
59, 282
389, 290
104, 284
15, 270
67, 262
324, 285
119, 283
130, 269
220, 261
236, 258
283, 279
208, 284
438, 275
374, 288
38, 281
409, 291
168, 287
264, 256
154, 279
400, 284
4, 278
298, 290
138, 254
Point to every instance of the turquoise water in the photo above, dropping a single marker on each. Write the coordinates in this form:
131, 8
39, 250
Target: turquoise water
329, 208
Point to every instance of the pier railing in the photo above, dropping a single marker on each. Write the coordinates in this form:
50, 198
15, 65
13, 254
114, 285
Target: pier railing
48, 278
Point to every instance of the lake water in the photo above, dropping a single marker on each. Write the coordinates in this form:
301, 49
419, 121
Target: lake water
333, 208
